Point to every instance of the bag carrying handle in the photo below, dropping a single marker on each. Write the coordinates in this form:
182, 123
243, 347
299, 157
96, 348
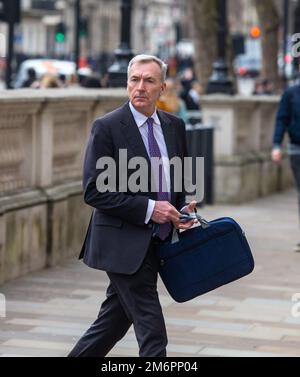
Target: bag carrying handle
195, 216
204, 223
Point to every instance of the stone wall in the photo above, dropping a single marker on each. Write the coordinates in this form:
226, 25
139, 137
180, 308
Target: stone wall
43, 135
243, 136
43, 218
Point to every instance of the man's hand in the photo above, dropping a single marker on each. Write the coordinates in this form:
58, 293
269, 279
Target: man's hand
164, 212
188, 209
276, 155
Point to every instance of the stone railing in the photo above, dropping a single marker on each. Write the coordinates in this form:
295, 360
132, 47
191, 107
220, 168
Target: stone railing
42, 140
243, 136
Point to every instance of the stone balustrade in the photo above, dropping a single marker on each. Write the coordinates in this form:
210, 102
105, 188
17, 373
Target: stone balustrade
243, 137
43, 134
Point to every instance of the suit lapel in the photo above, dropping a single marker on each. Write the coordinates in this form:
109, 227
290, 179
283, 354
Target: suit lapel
133, 135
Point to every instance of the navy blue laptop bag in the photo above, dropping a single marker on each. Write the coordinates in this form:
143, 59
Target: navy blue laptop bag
205, 258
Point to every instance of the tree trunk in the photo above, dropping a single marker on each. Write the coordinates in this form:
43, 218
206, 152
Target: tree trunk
203, 15
269, 23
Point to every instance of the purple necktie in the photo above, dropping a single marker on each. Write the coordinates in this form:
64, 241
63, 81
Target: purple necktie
162, 195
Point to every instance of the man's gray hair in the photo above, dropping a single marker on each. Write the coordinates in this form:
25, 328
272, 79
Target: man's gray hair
147, 59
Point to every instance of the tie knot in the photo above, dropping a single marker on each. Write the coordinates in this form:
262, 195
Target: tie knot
150, 121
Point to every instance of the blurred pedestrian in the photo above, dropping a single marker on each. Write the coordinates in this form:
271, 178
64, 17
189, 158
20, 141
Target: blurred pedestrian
50, 81
263, 87
105, 80
72, 81
193, 96
187, 78
31, 80
82, 74
171, 102
63, 80
91, 81
288, 121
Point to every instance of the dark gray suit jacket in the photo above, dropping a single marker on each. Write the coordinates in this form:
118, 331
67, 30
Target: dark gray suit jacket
117, 238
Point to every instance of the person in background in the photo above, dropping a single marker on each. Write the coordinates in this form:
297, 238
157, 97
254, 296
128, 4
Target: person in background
82, 74
263, 87
104, 80
63, 80
193, 96
288, 121
72, 82
186, 79
31, 81
50, 81
171, 102
92, 81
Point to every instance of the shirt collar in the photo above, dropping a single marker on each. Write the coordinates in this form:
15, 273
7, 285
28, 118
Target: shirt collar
140, 119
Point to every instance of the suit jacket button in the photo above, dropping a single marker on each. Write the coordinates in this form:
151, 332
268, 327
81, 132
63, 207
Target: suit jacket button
162, 262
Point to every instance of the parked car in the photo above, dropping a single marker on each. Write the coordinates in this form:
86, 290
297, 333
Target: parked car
42, 67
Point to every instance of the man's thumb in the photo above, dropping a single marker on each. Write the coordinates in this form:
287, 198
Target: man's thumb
192, 205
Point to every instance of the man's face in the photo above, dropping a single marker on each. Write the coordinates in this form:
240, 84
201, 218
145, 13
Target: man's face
145, 86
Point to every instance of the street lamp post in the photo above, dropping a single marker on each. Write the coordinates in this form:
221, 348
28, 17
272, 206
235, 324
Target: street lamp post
77, 27
118, 71
12, 15
219, 81
10, 54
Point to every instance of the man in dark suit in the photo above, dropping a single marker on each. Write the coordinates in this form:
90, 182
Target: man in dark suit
127, 226
288, 122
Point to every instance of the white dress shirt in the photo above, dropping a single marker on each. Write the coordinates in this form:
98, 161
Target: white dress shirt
140, 120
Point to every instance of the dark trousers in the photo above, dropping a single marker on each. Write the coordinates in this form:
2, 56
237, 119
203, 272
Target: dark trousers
130, 299
295, 165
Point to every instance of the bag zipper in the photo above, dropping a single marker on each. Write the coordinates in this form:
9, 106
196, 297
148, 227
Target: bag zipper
164, 260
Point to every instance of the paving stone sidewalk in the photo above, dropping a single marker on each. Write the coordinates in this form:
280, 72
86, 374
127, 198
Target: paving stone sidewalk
47, 311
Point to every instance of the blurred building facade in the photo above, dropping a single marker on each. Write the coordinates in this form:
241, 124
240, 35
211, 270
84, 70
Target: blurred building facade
154, 28
157, 27
242, 14
35, 35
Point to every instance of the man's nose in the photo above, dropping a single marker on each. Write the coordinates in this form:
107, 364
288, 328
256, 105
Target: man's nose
141, 85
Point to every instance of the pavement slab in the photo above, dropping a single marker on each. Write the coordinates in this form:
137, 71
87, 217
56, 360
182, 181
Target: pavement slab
47, 311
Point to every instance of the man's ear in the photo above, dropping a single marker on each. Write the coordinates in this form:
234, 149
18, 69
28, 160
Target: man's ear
163, 87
